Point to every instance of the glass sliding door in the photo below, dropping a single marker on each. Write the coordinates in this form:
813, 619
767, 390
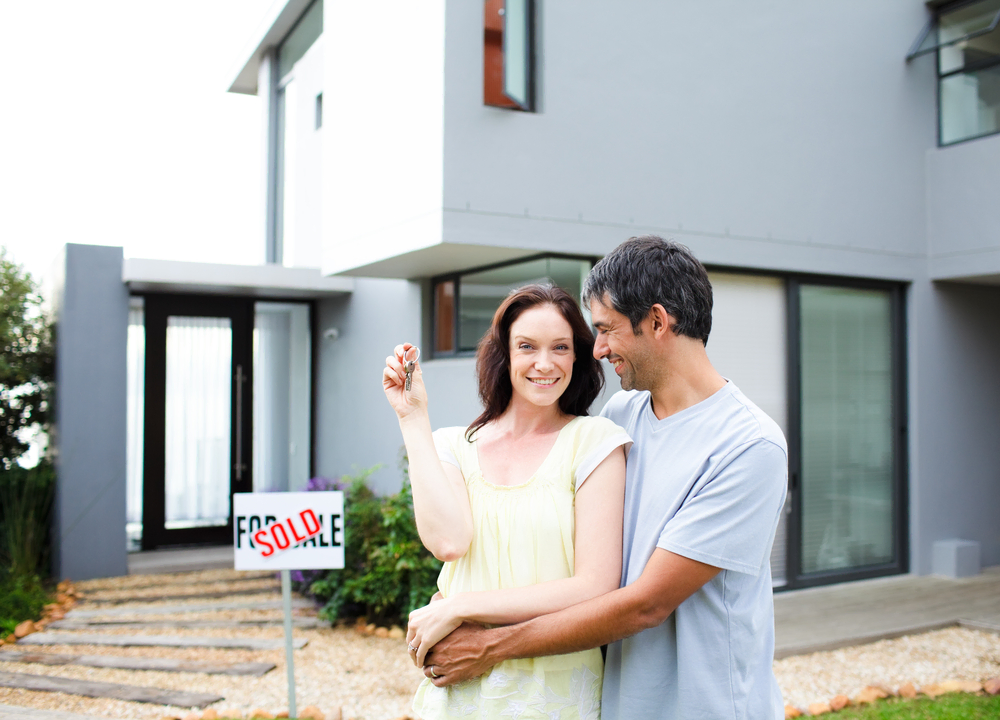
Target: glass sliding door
849, 441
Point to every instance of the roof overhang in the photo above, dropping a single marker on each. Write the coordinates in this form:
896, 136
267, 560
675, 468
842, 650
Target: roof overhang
265, 281
278, 22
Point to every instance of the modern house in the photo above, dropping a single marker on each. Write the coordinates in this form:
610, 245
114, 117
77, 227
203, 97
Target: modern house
832, 165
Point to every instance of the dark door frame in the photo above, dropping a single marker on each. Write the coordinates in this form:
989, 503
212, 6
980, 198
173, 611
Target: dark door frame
157, 308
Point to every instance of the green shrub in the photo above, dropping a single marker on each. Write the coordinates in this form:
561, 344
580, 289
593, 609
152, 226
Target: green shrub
25, 514
21, 598
387, 572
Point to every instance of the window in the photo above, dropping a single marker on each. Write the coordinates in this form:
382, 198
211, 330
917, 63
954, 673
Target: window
464, 303
508, 54
966, 37
307, 30
319, 111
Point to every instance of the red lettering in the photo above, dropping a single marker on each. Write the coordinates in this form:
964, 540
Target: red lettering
284, 536
291, 527
260, 538
306, 515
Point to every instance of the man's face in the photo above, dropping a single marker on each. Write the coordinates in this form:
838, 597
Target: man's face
631, 355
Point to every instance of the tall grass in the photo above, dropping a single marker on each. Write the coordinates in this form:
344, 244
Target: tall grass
25, 516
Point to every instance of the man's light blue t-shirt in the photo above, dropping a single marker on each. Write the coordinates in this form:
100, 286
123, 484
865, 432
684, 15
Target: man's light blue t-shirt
707, 483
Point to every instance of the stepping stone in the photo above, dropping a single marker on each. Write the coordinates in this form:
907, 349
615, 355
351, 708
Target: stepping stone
55, 638
191, 596
198, 607
167, 624
91, 688
183, 582
139, 663
14, 712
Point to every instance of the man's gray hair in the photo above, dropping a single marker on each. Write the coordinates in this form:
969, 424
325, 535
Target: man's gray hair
647, 270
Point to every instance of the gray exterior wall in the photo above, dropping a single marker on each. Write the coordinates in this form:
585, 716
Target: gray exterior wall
954, 401
782, 135
963, 229
91, 336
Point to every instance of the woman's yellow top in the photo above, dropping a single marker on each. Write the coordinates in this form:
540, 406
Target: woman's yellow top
522, 535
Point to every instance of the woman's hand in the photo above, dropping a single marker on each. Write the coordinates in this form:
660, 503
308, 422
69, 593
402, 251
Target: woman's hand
394, 383
429, 625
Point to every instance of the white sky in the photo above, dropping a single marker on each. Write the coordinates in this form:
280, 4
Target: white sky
116, 129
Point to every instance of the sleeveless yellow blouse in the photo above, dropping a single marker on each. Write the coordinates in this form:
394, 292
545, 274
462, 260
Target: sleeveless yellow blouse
523, 534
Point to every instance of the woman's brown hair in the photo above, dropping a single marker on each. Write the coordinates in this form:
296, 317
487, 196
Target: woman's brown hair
493, 355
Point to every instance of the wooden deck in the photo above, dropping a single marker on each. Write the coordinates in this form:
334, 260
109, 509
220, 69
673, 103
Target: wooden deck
836, 616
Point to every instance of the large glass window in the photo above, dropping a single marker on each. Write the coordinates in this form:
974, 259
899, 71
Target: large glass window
966, 36
464, 304
847, 428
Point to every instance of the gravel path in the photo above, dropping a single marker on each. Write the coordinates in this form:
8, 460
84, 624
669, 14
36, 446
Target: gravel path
371, 678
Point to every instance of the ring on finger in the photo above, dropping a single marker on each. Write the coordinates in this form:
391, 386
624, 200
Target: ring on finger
433, 674
411, 648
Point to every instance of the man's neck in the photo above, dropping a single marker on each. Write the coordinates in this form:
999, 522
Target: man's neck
688, 379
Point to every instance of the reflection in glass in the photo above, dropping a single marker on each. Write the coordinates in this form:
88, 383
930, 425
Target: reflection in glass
970, 104
847, 448
516, 60
281, 397
198, 392
481, 293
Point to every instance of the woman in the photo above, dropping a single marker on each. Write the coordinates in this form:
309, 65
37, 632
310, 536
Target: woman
524, 506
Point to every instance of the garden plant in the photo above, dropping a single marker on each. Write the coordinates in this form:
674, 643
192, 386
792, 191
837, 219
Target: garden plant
27, 369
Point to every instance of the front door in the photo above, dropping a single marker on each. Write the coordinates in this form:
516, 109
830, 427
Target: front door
198, 416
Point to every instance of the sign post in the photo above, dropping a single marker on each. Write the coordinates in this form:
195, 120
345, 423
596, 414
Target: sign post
288, 531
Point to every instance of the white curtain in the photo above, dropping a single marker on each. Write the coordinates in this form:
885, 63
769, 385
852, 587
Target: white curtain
197, 462
135, 415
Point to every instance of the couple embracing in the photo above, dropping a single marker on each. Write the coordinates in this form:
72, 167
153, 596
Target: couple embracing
646, 530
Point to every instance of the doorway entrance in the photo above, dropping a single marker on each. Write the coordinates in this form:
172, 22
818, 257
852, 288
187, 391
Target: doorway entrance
197, 425
219, 401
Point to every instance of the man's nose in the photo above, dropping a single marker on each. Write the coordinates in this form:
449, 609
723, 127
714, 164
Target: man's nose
600, 347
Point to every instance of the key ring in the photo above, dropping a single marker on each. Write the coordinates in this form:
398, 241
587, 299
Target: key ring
407, 359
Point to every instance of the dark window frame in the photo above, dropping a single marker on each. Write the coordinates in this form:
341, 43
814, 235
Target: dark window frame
916, 51
496, 43
795, 579
456, 277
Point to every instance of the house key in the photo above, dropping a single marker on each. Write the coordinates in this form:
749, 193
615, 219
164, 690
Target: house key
411, 362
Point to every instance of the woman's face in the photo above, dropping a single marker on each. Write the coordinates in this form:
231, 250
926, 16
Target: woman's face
541, 355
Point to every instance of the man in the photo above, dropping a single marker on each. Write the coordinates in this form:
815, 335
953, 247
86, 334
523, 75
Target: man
691, 630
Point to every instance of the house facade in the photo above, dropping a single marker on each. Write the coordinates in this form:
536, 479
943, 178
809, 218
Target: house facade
831, 165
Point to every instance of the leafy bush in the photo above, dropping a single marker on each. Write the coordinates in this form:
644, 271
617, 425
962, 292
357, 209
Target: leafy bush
387, 572
21, 598
27, 361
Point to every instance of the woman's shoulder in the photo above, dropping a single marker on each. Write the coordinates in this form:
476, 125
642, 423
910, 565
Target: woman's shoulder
589, 427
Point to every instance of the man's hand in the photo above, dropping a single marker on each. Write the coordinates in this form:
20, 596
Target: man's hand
463, 655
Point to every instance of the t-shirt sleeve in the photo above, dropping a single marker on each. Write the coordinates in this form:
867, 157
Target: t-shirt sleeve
596, 439
730, 519
444, 442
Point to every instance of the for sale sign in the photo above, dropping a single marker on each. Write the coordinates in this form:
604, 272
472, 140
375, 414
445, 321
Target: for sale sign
288, 531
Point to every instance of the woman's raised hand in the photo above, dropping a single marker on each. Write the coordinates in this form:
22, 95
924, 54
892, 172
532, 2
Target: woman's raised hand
404, 401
